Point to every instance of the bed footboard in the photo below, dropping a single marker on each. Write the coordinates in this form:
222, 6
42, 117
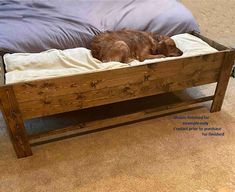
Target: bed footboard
40, 98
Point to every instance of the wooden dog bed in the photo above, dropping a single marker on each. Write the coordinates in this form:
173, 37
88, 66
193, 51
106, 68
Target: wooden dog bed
40, 98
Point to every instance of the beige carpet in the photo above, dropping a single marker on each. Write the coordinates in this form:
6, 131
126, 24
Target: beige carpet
145, 156
216, 18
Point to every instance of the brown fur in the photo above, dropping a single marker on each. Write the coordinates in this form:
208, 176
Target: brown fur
127, 45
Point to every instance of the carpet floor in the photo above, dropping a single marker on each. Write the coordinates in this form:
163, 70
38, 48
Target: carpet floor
153, 155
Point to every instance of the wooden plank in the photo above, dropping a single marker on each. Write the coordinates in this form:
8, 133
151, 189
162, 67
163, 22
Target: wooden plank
2, 72
14, 122
120, 119
71, 102
223, 81
40, 89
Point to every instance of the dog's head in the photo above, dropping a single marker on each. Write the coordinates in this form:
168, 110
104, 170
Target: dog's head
168, 48
165, 45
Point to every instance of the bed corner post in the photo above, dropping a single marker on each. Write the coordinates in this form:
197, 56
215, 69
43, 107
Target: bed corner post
14, 122
223, 81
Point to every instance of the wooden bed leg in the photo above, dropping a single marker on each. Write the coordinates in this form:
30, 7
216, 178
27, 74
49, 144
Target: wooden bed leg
222, 82
14, 122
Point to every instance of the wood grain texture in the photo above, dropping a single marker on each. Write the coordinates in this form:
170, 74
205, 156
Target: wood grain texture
82, 91
223, 81
99, 97
40, 89
2, 72
14, 122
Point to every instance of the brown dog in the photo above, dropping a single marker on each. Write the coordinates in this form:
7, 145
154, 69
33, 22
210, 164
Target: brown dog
127, 45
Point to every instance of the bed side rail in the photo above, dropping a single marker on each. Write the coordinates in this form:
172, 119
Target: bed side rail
2, 71
212, 43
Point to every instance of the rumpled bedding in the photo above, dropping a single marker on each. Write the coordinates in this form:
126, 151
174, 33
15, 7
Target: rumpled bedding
38, 25
53, 63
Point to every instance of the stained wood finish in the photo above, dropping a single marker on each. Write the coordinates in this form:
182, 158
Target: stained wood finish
56, 95
2, 72
14, 122
120, 119
82, 91
40, 89
110, 95
223, 81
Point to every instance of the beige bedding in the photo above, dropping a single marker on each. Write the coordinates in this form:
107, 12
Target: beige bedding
53, 63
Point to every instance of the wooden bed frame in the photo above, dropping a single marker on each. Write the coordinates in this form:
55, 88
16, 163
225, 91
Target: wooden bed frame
39, 98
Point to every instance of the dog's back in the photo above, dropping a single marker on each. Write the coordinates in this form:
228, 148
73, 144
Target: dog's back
122, 45
126, 45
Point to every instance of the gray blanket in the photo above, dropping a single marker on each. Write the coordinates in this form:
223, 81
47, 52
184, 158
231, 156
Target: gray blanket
38, 25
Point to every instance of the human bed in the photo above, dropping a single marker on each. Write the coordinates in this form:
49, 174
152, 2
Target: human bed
39, 98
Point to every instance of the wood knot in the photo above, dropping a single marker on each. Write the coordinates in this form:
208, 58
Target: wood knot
46, 102
47, 85
40, 93
94, 83
167, 86
79, 96
13, 113
74, 85
127, 90
146, 77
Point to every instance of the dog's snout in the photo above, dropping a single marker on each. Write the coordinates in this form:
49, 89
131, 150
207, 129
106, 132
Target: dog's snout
180, 52
176, 53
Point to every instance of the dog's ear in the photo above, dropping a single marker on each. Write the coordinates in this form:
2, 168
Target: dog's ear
162, 44
162, 47
153, 44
